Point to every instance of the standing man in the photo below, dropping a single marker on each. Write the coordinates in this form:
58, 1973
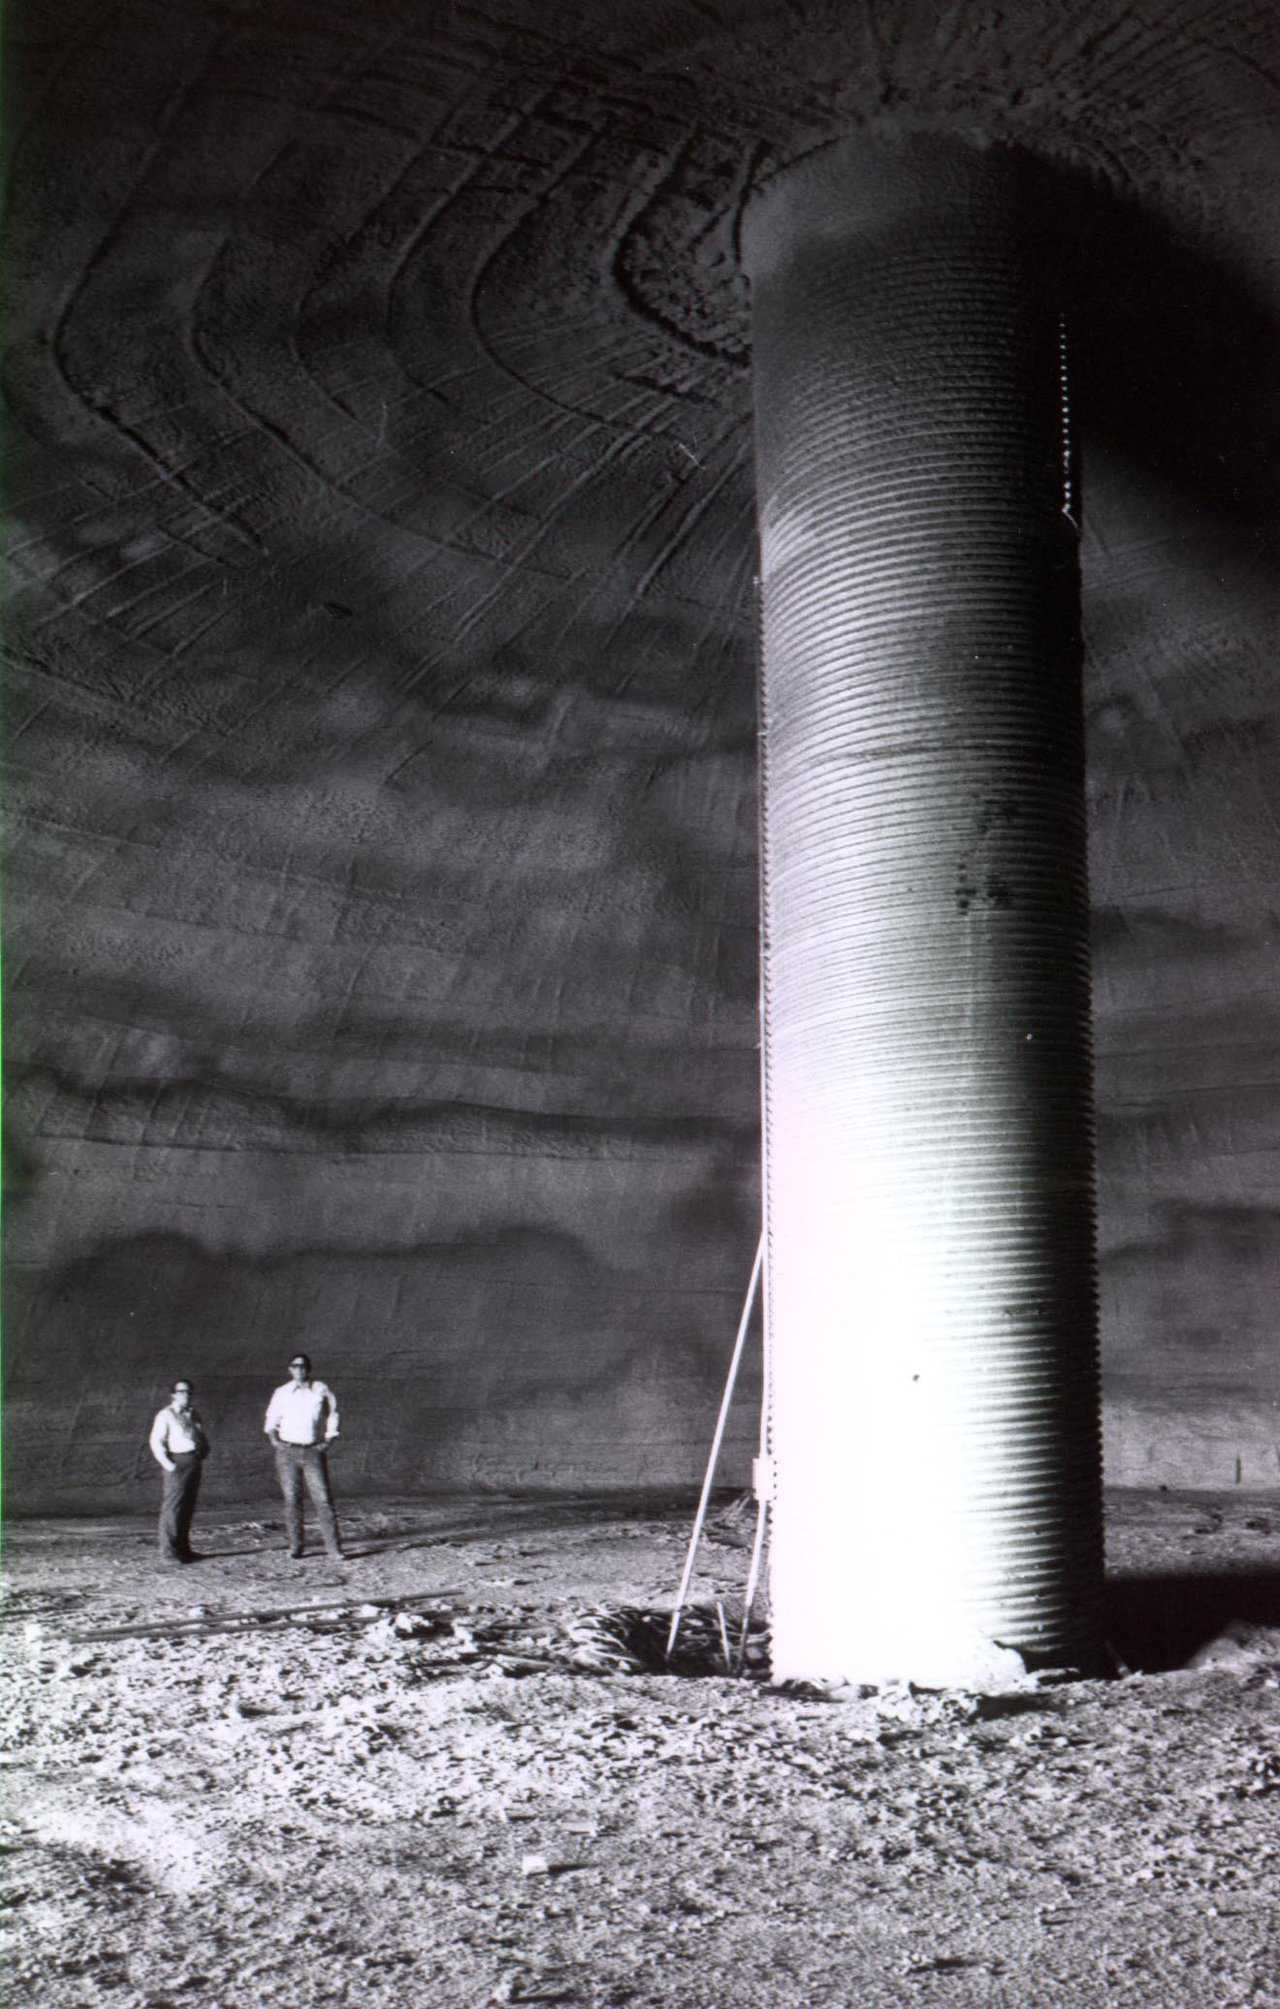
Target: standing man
302, 1420
179, 1446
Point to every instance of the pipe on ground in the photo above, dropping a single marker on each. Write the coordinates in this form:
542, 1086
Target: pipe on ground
929, 1172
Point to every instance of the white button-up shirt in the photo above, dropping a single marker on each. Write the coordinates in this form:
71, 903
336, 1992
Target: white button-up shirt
173, 1432
305, 1412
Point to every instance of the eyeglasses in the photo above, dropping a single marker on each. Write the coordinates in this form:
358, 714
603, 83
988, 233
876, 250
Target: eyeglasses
182, 1388
299, 1363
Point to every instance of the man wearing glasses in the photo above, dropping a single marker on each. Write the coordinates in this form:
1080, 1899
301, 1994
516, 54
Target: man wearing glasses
302, 1420
179, 1446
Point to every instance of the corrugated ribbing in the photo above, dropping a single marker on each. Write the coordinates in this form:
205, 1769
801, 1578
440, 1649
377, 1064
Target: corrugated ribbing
929, 1156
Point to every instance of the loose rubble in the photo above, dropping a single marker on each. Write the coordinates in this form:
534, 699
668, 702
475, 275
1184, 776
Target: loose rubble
462, 1772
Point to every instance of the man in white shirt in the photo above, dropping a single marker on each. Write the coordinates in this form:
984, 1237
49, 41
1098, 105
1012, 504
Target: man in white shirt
179, 1446
302, 1420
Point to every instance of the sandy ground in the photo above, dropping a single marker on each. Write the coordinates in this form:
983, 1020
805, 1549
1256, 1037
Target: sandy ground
436, 1776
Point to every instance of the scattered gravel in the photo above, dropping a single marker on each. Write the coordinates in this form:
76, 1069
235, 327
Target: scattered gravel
448, 1774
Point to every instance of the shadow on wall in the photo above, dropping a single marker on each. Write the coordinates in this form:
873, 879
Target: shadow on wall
582, 1376
1172, 351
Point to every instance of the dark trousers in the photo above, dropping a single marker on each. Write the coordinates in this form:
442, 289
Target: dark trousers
178, 1504
305, 1464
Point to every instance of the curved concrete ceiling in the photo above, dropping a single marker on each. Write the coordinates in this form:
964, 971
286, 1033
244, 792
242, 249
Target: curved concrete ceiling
381, 704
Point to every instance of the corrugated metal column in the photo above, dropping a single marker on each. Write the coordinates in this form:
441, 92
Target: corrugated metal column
929, 1142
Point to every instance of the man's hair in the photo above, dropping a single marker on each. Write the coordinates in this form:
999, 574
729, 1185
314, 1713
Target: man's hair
183, 1381
305, 1358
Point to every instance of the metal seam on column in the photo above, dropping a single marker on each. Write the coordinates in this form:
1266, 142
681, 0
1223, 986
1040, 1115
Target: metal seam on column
766, 1434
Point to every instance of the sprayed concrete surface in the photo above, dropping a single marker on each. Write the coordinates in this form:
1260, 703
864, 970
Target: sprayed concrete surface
442, 1775
380, 700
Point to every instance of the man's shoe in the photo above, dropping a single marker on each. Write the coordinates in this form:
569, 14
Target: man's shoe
191, 1556
297, 1554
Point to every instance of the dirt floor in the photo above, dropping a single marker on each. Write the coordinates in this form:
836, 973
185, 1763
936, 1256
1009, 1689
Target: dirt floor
441, 1775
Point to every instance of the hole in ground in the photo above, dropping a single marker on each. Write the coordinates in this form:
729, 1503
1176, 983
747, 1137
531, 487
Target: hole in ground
700, 1644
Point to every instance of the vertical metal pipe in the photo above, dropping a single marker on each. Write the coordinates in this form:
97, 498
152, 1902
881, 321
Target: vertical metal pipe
927, 1067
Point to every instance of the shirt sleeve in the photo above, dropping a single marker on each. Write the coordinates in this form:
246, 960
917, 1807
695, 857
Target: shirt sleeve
273, 1414
159, 1438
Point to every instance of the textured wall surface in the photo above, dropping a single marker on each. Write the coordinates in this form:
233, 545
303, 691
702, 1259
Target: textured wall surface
381, 709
